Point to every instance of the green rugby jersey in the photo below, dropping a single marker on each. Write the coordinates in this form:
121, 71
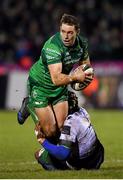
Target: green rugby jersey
54, 51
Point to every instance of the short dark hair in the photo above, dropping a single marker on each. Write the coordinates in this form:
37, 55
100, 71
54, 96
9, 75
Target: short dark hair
72, 102
70, 20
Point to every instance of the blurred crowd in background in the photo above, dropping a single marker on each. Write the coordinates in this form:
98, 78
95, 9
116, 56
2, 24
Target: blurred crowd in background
25, 25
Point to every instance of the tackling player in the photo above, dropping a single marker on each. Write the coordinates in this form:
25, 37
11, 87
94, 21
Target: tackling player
49, 77
78, 145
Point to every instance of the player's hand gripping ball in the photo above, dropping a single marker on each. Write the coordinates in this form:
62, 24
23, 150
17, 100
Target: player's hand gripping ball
89, 74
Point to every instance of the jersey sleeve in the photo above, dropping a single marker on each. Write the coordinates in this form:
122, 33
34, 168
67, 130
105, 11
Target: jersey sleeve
51, 53
58, 151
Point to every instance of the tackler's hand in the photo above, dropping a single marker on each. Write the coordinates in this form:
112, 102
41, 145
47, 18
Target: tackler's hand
39, 134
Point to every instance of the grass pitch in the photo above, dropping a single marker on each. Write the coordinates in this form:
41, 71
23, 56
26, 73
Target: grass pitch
18, 144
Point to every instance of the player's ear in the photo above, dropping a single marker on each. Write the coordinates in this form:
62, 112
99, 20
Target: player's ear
78, 31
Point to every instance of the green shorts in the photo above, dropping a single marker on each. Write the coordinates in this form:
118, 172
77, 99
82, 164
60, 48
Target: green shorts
39, 97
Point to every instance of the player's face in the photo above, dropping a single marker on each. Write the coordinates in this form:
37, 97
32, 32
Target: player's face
68, 34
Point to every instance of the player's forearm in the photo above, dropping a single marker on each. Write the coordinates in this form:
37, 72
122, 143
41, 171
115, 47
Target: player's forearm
63, 79
58, 151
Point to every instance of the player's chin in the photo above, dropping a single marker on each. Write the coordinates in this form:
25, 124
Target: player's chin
67, 43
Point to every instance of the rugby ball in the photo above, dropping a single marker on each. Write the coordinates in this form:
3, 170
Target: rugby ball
80, 86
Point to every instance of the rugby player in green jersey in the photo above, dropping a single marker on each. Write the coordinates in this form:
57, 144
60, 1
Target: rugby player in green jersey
49, 77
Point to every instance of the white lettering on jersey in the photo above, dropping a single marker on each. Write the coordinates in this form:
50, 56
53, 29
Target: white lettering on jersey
53, 51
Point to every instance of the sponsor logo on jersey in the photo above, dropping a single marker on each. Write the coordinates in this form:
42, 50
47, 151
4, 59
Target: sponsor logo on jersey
67, 58
53, 51
80, 52
34, 94
73, 61
38, 103
67, 53
50, 57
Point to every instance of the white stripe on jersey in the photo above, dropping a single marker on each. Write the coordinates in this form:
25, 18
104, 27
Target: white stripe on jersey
80, 128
